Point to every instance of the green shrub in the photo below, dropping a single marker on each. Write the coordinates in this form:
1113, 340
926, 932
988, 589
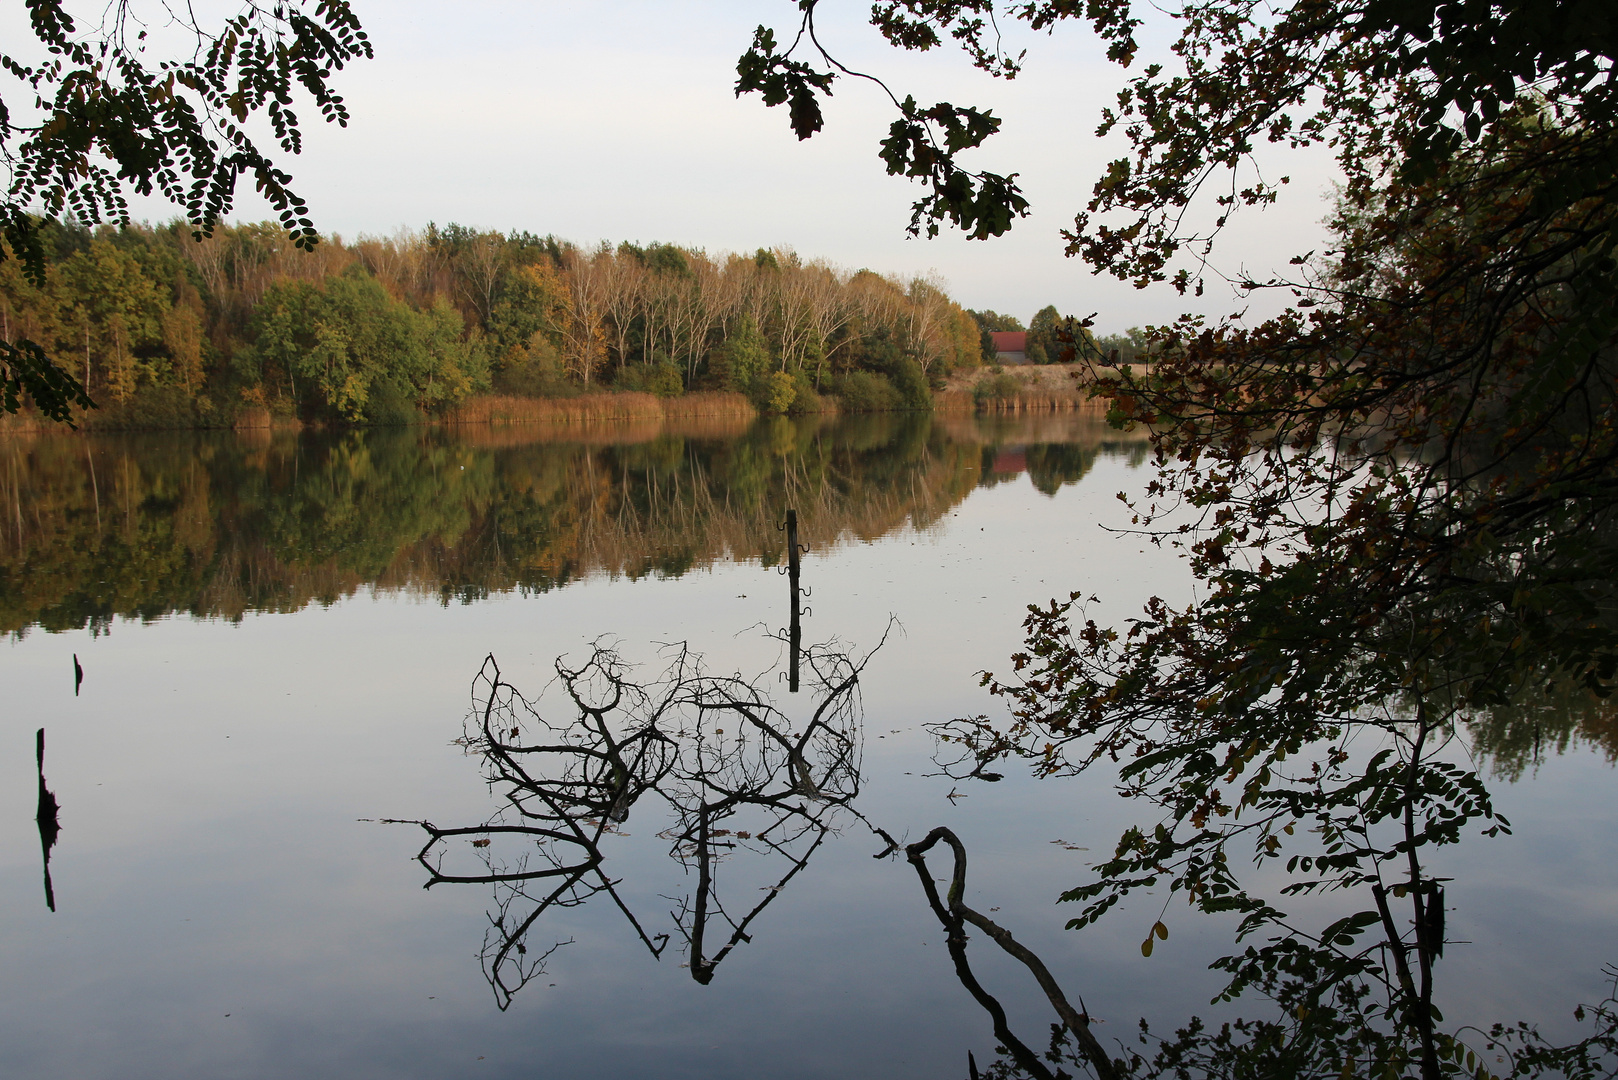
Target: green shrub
776, 392
808, 401
865, 391
151, 407
742, 360
911, 383
536, 372
340, 339
389, 405
805, 398
661, 378
996, 387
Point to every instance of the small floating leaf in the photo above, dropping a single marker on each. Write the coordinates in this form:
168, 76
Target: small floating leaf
1146, 946
1160, 930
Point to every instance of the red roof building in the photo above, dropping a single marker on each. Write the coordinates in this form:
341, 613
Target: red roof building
1010, 342
1011, 345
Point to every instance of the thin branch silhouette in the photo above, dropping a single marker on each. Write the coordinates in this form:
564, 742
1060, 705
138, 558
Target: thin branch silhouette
712, 748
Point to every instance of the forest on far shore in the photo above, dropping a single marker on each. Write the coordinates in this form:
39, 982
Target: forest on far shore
168, 331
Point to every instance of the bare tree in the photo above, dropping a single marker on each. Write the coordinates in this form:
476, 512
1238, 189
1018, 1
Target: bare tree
622, 282
692, 314
758, 291
926, 318
584, 336
830, 304
482, 264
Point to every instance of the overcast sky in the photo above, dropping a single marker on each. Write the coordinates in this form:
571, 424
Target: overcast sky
616, 120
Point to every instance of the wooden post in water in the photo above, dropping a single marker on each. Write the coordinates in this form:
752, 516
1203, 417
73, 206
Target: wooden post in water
47, 818
795, 632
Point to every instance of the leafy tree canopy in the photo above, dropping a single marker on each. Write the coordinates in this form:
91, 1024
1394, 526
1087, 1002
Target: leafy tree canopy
995, 322
1394, 86
87, 115
1398, 495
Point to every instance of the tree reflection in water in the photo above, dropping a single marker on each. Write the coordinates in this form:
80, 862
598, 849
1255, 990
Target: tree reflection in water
953, 914
737, 775
739, 786
222, 524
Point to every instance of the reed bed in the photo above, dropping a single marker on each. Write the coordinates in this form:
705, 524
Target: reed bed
507, 436
508, 409
253, 419
1030, 400
116, 418
709, 404
491, 409
588, 408
603, 433
29, 422
1036, 401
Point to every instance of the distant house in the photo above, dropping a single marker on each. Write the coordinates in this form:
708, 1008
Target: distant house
1012, 346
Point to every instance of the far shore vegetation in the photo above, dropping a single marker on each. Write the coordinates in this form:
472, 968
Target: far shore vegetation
458, 325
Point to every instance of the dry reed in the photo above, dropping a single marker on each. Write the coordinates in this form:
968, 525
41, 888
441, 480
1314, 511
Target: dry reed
1035, 400
587, 408
1031, 400
255, 417
603, 432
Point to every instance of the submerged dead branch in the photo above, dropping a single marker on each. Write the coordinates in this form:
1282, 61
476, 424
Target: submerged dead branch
710, 747
953, 913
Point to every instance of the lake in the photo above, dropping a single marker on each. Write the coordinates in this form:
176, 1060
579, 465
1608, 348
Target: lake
281, 637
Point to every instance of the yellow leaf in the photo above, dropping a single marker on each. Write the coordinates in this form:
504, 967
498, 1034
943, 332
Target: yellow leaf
1146, 946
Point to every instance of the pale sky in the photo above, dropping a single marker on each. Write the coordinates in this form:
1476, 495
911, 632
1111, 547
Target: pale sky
616, 120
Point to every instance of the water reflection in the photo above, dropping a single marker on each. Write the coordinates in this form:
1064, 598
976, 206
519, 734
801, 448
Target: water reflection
47, 817
954, 914
742, 790
738, 790
1516, 737
795, 599
222, 524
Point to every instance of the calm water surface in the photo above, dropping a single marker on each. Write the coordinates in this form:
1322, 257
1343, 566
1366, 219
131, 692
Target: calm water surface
280, 636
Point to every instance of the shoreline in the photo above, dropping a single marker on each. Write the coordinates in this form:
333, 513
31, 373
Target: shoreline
1037, 393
